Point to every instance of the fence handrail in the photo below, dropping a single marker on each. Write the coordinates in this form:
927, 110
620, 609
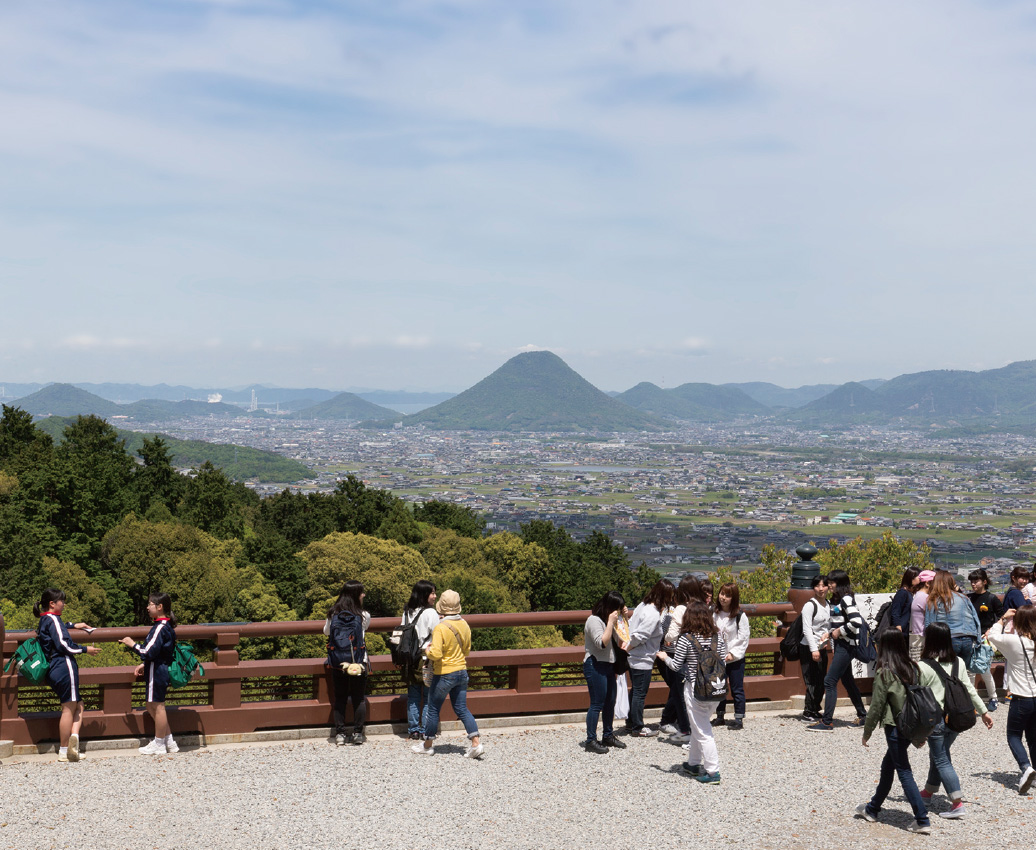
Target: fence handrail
285, 628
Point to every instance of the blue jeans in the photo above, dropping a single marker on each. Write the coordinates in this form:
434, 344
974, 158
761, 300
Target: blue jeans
736, 684
897, 762
841, 669
940, 768
641, 679
600, 679
416, 694
1021, 720
964, 646
455, 686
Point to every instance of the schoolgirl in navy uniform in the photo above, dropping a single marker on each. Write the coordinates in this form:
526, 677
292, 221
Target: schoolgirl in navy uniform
157, 652
63, 672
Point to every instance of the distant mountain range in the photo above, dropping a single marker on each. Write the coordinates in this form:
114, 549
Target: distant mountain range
538, 391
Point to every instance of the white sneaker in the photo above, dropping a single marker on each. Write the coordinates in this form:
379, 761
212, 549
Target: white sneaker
917, 828
685, 746
1024, 782
73, 747
668, 729
170, 745
861, 812
422, 750
474, 752
155, 748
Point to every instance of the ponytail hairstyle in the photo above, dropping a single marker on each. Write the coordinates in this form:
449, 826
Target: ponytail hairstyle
894, 657
843, 587
163, 601
348, 599
709, 593
49, 595
419, 597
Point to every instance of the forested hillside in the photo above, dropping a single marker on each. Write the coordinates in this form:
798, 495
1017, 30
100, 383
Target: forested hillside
85, 515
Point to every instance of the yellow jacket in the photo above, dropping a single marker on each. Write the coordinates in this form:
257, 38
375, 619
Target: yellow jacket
446, 654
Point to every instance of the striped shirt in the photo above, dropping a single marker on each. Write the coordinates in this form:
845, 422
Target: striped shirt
685, 656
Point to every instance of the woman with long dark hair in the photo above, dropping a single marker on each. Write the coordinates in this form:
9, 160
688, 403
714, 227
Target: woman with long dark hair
946, 605
938, 650
419, 611
62, 671
893, 672
346, 627
899, 612
1019, 651
599, 670
642, 646
845, 627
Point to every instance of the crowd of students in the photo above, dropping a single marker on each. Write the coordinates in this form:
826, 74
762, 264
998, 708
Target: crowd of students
935, 635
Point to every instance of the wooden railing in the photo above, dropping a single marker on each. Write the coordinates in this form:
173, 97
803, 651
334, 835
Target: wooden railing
243, 696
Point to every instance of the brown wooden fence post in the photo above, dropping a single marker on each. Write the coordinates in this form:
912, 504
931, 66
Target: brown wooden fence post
226, 693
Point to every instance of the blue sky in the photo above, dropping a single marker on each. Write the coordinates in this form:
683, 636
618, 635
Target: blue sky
405, 194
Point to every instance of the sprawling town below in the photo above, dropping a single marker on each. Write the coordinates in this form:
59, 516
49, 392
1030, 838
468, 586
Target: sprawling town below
695, 498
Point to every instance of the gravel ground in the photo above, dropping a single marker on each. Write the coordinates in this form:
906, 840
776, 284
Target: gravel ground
782, 787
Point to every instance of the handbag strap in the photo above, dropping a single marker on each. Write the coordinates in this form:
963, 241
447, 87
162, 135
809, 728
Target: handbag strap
456, 634
1026, 657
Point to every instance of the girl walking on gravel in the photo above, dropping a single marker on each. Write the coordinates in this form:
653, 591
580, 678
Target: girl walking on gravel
599, 670
62, 672
448, 652
346, 626
157, 654
893, 672
698, 633
938, 650
989, 609
1019, 650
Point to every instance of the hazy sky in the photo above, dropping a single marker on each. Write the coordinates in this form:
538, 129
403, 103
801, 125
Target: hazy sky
405, 194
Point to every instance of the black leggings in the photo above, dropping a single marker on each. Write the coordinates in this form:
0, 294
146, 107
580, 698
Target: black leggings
349, 688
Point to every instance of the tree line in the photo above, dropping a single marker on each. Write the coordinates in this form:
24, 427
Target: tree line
111, 526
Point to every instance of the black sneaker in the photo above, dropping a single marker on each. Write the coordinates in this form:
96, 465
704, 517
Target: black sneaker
612, 741
415, 736
810, 717
358, 738
735, 724
718, 720
595, 747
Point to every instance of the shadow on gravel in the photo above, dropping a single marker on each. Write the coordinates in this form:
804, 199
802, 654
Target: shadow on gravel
1008, 780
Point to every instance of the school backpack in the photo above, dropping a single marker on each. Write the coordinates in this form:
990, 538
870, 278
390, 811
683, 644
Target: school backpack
959, 712
405, 647
883, 620
791, 643
30, 662
185, 666
346, 645
710, 679
921, 712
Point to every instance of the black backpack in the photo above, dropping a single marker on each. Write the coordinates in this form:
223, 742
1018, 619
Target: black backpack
710, 679
405, 646
883, 620
791, 643
921, 713
959, 712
